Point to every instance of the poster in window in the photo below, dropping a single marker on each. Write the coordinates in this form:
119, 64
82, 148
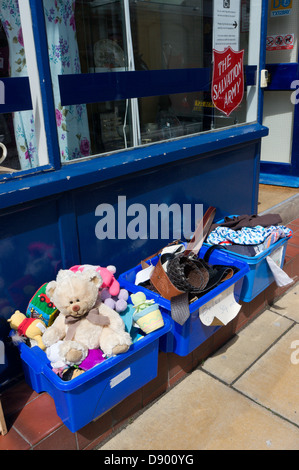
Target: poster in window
226, 19
279, 42
280, 8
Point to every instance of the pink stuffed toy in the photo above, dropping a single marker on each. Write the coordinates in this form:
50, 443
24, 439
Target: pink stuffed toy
107, 275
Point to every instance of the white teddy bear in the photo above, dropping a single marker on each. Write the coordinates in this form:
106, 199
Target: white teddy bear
84, 322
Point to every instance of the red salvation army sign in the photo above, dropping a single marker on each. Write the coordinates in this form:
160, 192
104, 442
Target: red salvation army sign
228, 80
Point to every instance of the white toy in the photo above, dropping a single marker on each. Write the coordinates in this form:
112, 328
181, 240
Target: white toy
84, 322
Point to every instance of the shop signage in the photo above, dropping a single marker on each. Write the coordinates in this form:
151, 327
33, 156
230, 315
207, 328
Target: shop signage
281, 7
226, 20
280, 42
228, 80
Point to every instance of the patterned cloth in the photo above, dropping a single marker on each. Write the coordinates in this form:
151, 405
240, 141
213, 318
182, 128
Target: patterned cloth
248, 235
23, 121
72, 122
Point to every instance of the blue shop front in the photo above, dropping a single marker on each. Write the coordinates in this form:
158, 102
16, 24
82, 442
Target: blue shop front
111, 109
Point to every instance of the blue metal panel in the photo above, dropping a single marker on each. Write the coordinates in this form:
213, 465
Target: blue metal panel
279, 180
30, 255
17, 95
111, 86
122, 163
282, 75
276, 168
224, 180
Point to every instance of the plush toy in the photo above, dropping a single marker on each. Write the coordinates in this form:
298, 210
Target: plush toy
146, 314
29, 327
116, 302
107, 275
41, 307
83, 318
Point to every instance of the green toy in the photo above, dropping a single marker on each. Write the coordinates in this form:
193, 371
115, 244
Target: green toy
146, 314
41, 307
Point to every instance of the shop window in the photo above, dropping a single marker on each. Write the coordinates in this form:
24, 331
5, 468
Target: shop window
18, 131
165, 39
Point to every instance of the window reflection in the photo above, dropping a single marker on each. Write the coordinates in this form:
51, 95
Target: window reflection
102, 47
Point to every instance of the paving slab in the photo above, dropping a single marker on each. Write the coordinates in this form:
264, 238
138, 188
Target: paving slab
202, 413
229, 362
288, 305
273, 381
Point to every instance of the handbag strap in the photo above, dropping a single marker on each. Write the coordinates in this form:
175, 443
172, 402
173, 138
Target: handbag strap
201, 232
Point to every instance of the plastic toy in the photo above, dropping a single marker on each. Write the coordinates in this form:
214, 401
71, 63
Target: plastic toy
28, 327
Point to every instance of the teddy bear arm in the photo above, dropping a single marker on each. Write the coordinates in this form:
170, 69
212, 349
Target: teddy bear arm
116, 322
56, 332
113, 342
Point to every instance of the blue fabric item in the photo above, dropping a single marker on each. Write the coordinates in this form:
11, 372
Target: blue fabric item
127, 317
245, 236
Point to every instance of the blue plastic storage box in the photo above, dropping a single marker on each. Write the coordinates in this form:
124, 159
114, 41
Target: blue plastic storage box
260, 275
86, 397
183, 339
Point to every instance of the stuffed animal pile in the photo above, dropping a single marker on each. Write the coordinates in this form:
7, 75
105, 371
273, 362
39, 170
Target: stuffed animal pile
93, 319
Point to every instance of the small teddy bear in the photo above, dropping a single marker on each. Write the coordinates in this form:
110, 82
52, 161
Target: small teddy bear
30, 328
83, 318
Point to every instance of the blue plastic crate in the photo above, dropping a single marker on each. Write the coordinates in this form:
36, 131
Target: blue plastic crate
259, 276
84, 398
183, 339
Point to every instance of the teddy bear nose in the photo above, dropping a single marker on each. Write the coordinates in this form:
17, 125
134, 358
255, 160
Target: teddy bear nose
76, 308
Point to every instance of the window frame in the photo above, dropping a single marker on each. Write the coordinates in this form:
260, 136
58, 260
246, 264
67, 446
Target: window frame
55, 177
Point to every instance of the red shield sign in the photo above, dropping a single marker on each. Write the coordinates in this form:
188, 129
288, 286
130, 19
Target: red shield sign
228, 80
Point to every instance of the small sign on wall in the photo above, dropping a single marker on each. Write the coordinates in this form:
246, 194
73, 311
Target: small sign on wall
226, 29
280, 42
281, 8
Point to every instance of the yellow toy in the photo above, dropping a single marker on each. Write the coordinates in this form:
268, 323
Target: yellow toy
32, 328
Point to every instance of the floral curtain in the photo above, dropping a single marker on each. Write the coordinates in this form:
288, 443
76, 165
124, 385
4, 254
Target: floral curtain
72, 121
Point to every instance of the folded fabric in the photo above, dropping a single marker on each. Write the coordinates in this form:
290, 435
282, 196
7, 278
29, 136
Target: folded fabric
240, 221
94, 357
127, 317
247, 235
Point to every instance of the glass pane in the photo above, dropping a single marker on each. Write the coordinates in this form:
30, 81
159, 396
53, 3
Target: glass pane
17, 130
104, 37
103, 49
170, 34
87, 37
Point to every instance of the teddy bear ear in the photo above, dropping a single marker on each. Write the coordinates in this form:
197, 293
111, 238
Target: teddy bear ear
50, 289
93, 276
